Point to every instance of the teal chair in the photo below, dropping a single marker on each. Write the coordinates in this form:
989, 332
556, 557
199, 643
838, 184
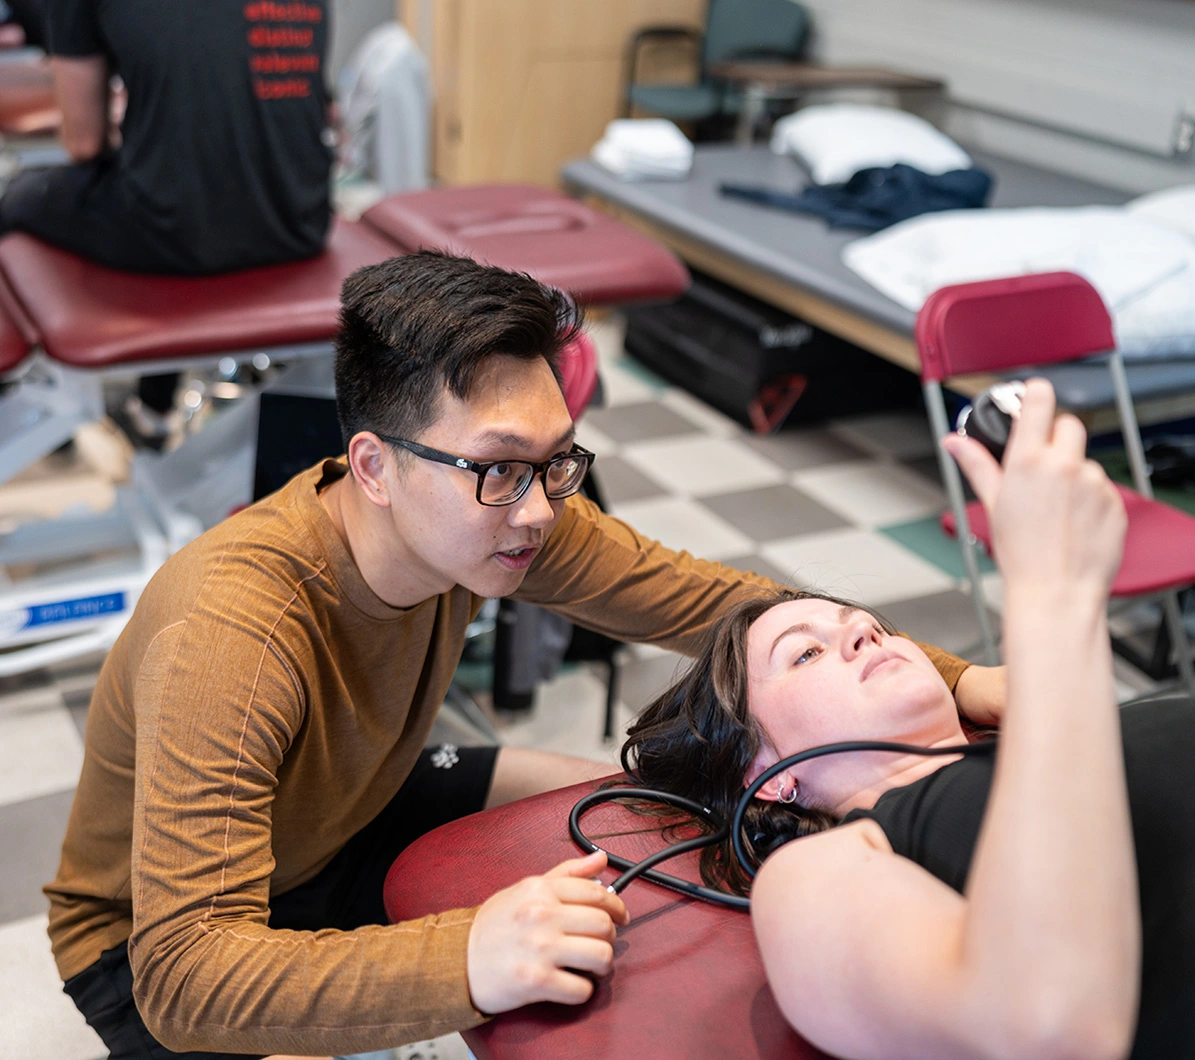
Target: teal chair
734, 29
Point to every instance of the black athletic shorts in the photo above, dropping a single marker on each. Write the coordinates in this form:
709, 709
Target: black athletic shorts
447, 782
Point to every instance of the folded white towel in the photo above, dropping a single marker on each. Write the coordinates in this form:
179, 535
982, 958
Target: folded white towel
644, 148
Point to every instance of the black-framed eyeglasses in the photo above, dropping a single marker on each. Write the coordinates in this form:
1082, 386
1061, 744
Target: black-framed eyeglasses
501, 482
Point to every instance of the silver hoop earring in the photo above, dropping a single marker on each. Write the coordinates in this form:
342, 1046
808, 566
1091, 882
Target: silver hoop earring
790, 798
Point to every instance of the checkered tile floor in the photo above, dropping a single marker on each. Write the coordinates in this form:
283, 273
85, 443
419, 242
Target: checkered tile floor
849, 507
836, 506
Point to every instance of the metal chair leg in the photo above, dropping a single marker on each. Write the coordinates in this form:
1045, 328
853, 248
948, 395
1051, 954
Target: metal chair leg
1180, 640
936, 407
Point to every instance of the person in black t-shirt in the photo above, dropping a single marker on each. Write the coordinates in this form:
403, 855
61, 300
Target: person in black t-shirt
1037, 903
220, 161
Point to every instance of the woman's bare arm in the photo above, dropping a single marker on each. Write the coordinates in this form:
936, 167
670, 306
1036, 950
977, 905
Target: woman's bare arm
1053, 888
1041, 959
864, 949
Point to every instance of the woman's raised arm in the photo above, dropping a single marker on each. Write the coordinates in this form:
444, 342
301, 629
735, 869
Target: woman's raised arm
1041, 957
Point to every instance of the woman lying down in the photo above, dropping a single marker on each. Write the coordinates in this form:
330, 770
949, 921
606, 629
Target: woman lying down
1034, 903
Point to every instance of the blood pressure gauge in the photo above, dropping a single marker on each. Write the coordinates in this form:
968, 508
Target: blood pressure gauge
988, 419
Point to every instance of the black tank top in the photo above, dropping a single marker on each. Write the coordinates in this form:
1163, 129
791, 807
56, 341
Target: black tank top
935, 822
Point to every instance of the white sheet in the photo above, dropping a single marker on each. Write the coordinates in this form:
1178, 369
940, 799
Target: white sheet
1145, 271
1172, 207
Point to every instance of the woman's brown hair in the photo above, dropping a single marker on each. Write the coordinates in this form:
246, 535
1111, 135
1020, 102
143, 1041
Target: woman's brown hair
699, 740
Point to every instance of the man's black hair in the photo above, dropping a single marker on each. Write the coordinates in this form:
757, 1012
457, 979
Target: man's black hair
415, 325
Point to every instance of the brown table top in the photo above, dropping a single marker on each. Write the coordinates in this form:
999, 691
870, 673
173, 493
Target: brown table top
811, 75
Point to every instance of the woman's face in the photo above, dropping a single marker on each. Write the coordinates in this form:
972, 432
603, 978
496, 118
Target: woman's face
819, 672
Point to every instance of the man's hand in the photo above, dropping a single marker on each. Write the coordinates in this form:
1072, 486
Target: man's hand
981, 693
525, 939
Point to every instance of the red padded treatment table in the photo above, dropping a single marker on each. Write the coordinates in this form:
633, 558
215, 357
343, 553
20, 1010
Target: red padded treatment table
522, 227
27, 101
16, 336
687, 981
90, 316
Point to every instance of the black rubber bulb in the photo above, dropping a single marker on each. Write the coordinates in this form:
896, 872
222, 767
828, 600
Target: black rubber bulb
988, 419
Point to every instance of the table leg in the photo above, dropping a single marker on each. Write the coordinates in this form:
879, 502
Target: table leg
755, 97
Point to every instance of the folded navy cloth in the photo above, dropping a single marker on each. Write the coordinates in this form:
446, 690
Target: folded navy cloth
876, 198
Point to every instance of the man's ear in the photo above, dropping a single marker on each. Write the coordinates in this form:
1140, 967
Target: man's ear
770, 792
368, 457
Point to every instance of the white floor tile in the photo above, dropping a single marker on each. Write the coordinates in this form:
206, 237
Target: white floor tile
568, 718
698, 466
647, 651
37, 1020
993, 591
683, 524
21, 702
589, 437
450, 1047
622, 386
872, 493
857, 565
40, 752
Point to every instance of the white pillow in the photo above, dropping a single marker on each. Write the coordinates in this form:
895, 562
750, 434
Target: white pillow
836, 140
1173, 207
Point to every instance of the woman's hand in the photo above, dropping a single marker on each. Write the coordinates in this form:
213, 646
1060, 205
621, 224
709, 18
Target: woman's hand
1056, 519
981, 694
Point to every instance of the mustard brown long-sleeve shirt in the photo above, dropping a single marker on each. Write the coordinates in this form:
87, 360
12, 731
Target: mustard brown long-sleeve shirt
260, 708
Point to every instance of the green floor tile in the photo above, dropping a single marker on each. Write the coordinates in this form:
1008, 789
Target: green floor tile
1116, 464
641, 372
926, 538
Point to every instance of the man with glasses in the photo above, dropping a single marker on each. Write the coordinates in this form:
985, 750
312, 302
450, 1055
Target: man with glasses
255, 754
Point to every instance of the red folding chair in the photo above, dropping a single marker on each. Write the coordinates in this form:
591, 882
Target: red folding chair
1007, 324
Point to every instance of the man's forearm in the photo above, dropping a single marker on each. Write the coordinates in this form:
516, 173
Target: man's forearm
235, 984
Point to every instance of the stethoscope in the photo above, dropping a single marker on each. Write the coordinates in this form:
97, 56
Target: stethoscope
719, 828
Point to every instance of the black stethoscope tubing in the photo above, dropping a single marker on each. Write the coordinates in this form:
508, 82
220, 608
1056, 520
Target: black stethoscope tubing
645, 868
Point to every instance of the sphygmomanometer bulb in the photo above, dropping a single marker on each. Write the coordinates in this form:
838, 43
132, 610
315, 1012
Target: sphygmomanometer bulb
988, 419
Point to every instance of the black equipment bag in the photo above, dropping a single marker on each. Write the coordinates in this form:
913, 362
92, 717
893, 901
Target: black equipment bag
758, 364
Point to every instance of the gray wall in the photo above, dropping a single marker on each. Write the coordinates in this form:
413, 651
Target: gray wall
351, 20
1093, 87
